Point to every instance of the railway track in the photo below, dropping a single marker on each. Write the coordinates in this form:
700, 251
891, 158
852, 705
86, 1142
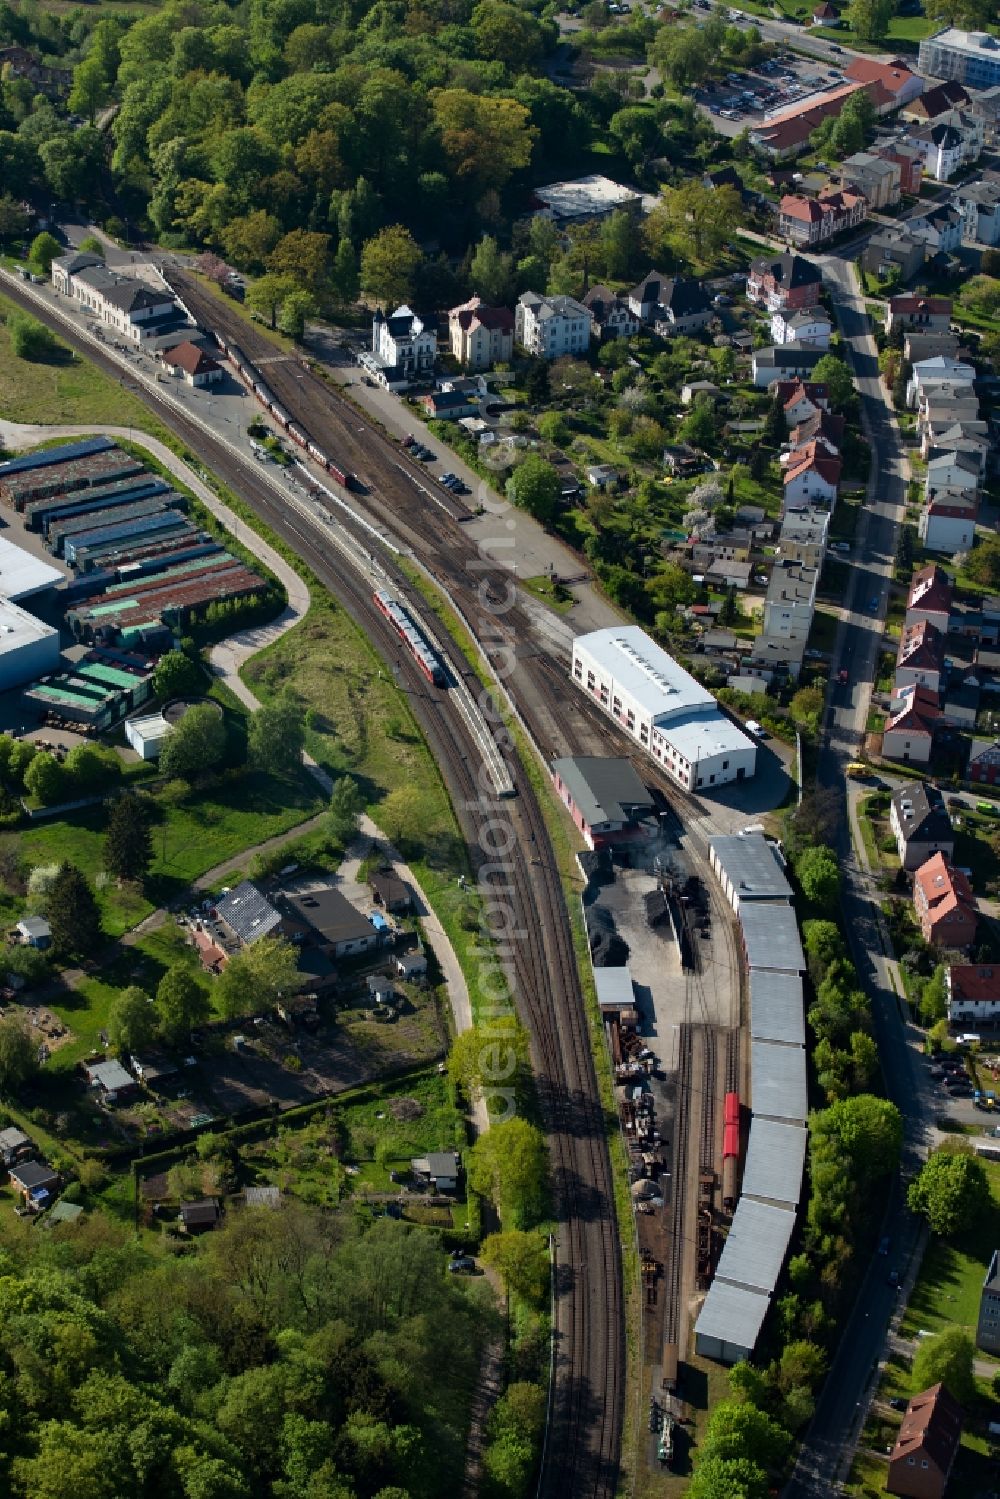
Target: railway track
583, 1444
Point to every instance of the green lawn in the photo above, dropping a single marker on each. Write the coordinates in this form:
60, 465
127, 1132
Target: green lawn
192, 832
68, 391
951, 1277
555, 595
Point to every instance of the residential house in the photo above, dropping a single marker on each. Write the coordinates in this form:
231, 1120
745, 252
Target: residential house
806, 325
389, 891
919, 346
940, 402
927, 1442
945, 149
877, 178
951, 470
403, 351
988, 1321
785, 132
979, 205
683, 461
604, 796
380, 989
449, 405
34, 931
984, 762
439, 1169
930, 598
986, 104
110, 1079
21, 62
957, 437
824, 427
34, 1182
603, 476
825, 14
246, 915
914, 714
324, 914
920, 656
411, 967
550, 327
813, 221
803, 536
961, 702
776, 657
613, 317
480, 336
726, 177
801, 399
894, 81
919, 822
200, 1217
811, 476
723, 572
153, 1069
948, 522
973, 996
940, 229
14, 1144
671, 304
194, 366
944, 904
790, 601
935, 102
970, 57
785, 281
893, 251
938, 371
692, 389
783, 362
908, 159
929, 314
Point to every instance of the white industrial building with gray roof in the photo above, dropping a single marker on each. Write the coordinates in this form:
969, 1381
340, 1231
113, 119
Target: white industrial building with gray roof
748, 869
661, 706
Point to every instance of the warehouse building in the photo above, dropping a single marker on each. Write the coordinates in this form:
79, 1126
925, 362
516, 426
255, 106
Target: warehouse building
729, 1322
662, 707
27, 646
779, 1082
22, 575
603, 795
748, 869
776, 1007
771, 937
776, 1158
733, 1313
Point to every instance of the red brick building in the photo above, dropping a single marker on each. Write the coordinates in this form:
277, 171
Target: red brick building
921, 1461
944, 904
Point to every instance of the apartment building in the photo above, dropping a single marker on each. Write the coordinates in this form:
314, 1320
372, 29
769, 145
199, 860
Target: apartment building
969, 57
550, 327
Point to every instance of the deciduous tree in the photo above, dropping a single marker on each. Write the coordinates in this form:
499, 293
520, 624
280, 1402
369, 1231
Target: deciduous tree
389, 263
176, 675
277, 736
18, 1053
522, 1262
947, 1359
196, 744
181, 1003
45, 779
257, 976
132, 1020
952, 1191
534, 486
509, 1163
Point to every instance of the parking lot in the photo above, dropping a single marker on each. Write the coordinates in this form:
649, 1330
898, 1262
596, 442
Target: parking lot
742, 99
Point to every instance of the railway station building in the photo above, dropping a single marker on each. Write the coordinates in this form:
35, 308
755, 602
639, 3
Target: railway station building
661, 706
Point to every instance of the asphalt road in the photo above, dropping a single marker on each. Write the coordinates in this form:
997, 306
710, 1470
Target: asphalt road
844, 1398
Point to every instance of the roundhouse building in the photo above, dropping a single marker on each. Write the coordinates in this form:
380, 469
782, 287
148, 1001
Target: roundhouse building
662, 707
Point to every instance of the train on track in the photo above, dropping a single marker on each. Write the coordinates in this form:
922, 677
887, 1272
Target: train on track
401, 619
730, 1150
254, 380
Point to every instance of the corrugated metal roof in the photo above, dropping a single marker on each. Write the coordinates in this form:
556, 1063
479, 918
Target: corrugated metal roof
779, 1081
22, 574
751, 866
757, 1244
776, 1009
771, 937
731, 1317
52, 456
614, 988
775, 1160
